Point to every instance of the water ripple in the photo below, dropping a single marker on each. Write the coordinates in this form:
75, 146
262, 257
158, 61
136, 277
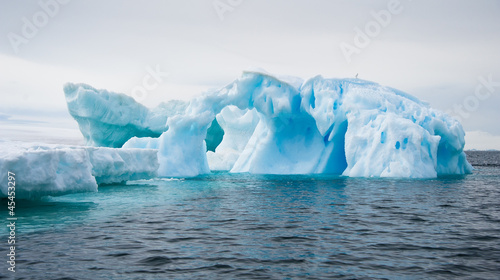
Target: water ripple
241, 226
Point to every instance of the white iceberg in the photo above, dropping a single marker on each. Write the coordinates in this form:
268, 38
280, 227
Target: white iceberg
42, 169
118, 165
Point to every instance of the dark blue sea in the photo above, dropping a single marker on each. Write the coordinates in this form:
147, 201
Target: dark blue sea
243, 226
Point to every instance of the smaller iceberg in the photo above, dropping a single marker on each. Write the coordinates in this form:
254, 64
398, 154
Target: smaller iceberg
42, 169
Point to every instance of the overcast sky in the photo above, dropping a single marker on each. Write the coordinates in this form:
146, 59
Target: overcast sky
438, 51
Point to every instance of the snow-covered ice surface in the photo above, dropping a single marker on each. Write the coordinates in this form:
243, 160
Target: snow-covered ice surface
44, 169
340, 126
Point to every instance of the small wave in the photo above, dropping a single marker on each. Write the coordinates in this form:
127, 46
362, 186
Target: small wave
155, 261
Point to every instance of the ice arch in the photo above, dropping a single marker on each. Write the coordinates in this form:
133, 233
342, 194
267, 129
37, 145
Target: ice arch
340, 126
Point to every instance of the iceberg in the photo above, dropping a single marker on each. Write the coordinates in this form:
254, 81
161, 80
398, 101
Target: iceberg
262, 124
42, 169
119, 165
108, 119
257, 124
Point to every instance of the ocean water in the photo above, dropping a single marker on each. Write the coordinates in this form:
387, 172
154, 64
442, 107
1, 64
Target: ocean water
242, 226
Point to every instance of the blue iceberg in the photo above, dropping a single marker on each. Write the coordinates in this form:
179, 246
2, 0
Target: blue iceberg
347, 127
